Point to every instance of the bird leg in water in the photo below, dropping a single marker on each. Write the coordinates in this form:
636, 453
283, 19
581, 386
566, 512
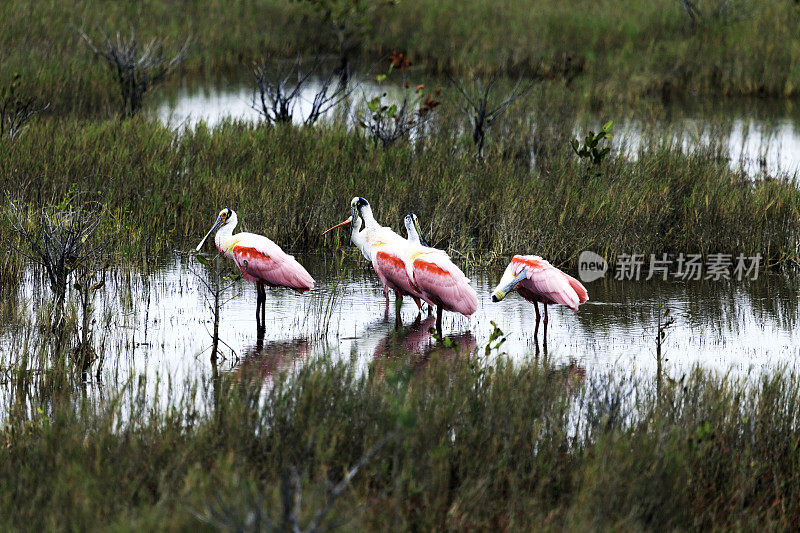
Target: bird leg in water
398, 304
419, 305
261, 305
544, 342
439, 319
260, 330
536, 329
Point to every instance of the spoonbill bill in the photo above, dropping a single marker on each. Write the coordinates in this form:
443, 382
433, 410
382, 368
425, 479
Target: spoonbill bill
538, 281
439, 280
385, 249
261, 261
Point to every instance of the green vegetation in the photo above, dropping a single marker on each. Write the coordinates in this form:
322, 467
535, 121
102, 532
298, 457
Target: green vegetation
469, 444
608, 50
88, 440
162, 190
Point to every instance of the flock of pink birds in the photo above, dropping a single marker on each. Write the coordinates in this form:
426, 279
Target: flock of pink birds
405, 266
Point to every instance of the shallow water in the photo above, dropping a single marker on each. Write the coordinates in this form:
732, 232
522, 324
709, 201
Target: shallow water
159, 324
761, 137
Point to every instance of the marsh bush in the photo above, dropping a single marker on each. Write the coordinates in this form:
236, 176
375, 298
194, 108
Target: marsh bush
160, 188
480, 444
137, 67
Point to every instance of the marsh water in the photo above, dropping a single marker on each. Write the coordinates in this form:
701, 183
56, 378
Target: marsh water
159, 323
156, 321
759, 136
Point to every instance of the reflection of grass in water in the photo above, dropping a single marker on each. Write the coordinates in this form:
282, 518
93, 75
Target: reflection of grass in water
723, 305
476, 445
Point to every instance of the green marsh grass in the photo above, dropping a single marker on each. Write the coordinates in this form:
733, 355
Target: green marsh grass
477, 445
162, 189
606, 51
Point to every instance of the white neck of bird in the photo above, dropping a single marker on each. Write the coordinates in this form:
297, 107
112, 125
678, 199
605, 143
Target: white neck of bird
369, 219
224, 237
413, 236
358, 238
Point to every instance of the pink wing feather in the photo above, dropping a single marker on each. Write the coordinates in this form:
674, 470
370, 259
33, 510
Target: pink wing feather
443, 283
260, 259
391, 269
548, 284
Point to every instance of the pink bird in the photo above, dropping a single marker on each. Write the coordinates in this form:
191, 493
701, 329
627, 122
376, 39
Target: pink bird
261, 261
408, 267
536, 280
385, 249
439, 280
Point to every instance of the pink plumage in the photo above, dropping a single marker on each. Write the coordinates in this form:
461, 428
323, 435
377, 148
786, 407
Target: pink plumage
391, 270
443, 284
547, 284
261, 260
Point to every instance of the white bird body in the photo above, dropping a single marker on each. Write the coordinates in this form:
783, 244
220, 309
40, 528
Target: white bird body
385, 249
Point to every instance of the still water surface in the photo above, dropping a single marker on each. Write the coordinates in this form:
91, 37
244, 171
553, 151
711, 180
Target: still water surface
160, 323
759, 136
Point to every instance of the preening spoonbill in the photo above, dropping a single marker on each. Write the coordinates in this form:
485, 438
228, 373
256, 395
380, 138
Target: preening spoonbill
261, 261
439, 280
385, 249
536, 280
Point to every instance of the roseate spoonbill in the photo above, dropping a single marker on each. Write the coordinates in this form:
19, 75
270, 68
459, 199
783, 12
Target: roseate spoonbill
536, 280
412, 229
261, 261
385, 249
439, 280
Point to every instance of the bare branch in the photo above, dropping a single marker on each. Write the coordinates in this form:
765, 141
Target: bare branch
481, 115
276, 98
15, 110
136, 68
339, 488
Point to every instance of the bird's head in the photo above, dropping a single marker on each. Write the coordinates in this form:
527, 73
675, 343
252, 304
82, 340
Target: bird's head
225, 217
413, 229
508, 282
358, 203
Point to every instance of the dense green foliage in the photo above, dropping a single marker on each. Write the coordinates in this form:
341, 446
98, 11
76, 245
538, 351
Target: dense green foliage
611, 50
163, 189
473, 445
472, 442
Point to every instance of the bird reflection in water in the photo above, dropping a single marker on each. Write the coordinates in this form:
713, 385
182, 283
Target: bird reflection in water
263, 360
417, 341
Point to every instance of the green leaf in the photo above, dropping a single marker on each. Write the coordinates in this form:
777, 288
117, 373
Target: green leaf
391, 111
202, 260
380, 77
607, 126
